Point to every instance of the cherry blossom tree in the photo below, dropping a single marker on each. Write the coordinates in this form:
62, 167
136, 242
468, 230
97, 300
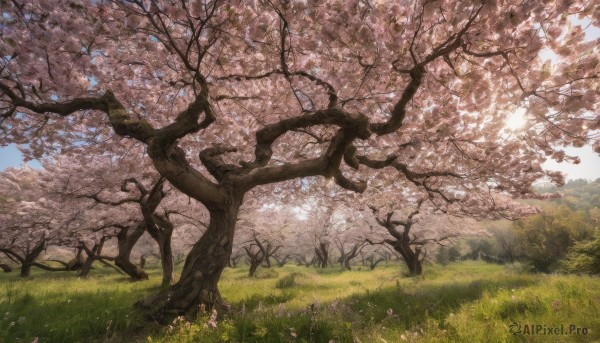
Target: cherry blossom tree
263, 232
348, 254
34, 218
411, 234
268, 92
126, 184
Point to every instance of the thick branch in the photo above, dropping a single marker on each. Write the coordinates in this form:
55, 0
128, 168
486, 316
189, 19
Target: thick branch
266, 136
10, 252
212, 160
48, 268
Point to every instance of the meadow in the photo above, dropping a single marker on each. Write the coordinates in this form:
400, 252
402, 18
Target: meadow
468, 301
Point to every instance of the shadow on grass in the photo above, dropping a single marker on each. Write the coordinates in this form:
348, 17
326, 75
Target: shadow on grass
98, 271
256, 300
408, 307
72, 316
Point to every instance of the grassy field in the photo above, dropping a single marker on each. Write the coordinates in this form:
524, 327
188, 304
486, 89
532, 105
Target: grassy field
461, 302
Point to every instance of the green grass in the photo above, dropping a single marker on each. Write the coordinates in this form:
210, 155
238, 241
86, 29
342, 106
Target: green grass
62, 307
467, 301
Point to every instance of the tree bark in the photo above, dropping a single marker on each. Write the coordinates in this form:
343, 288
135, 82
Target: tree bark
234, 259
411, 258
374, 262
30, 258
322, 252
77, 262
25, 270
166, 259
87, 265
345, 258
255, 258
254, 266
202, 269
125, 244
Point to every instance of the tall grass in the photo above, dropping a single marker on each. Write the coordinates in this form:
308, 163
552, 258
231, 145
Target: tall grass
62, 307
467, 301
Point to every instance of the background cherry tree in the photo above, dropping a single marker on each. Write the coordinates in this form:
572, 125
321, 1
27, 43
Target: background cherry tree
35, 216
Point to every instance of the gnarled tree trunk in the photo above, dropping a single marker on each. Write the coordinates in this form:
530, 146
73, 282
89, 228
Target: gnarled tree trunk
87, 265
233, 260
30, 258
255, 258
125, 244
322, 253
166, 259
202, 270
373, 261
346, 257
411, 258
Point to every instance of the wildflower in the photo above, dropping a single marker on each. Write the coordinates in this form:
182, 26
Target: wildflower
390, 312
402, 337
293, 332
212, 320
35, 340
11, 324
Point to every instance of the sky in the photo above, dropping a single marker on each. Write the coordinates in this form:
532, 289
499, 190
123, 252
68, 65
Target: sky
10, 156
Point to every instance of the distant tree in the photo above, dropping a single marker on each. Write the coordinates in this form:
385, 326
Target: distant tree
584, 257
478, 247
441, 255
547, 237
31, 220
507, 241
410, 235
453, 253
